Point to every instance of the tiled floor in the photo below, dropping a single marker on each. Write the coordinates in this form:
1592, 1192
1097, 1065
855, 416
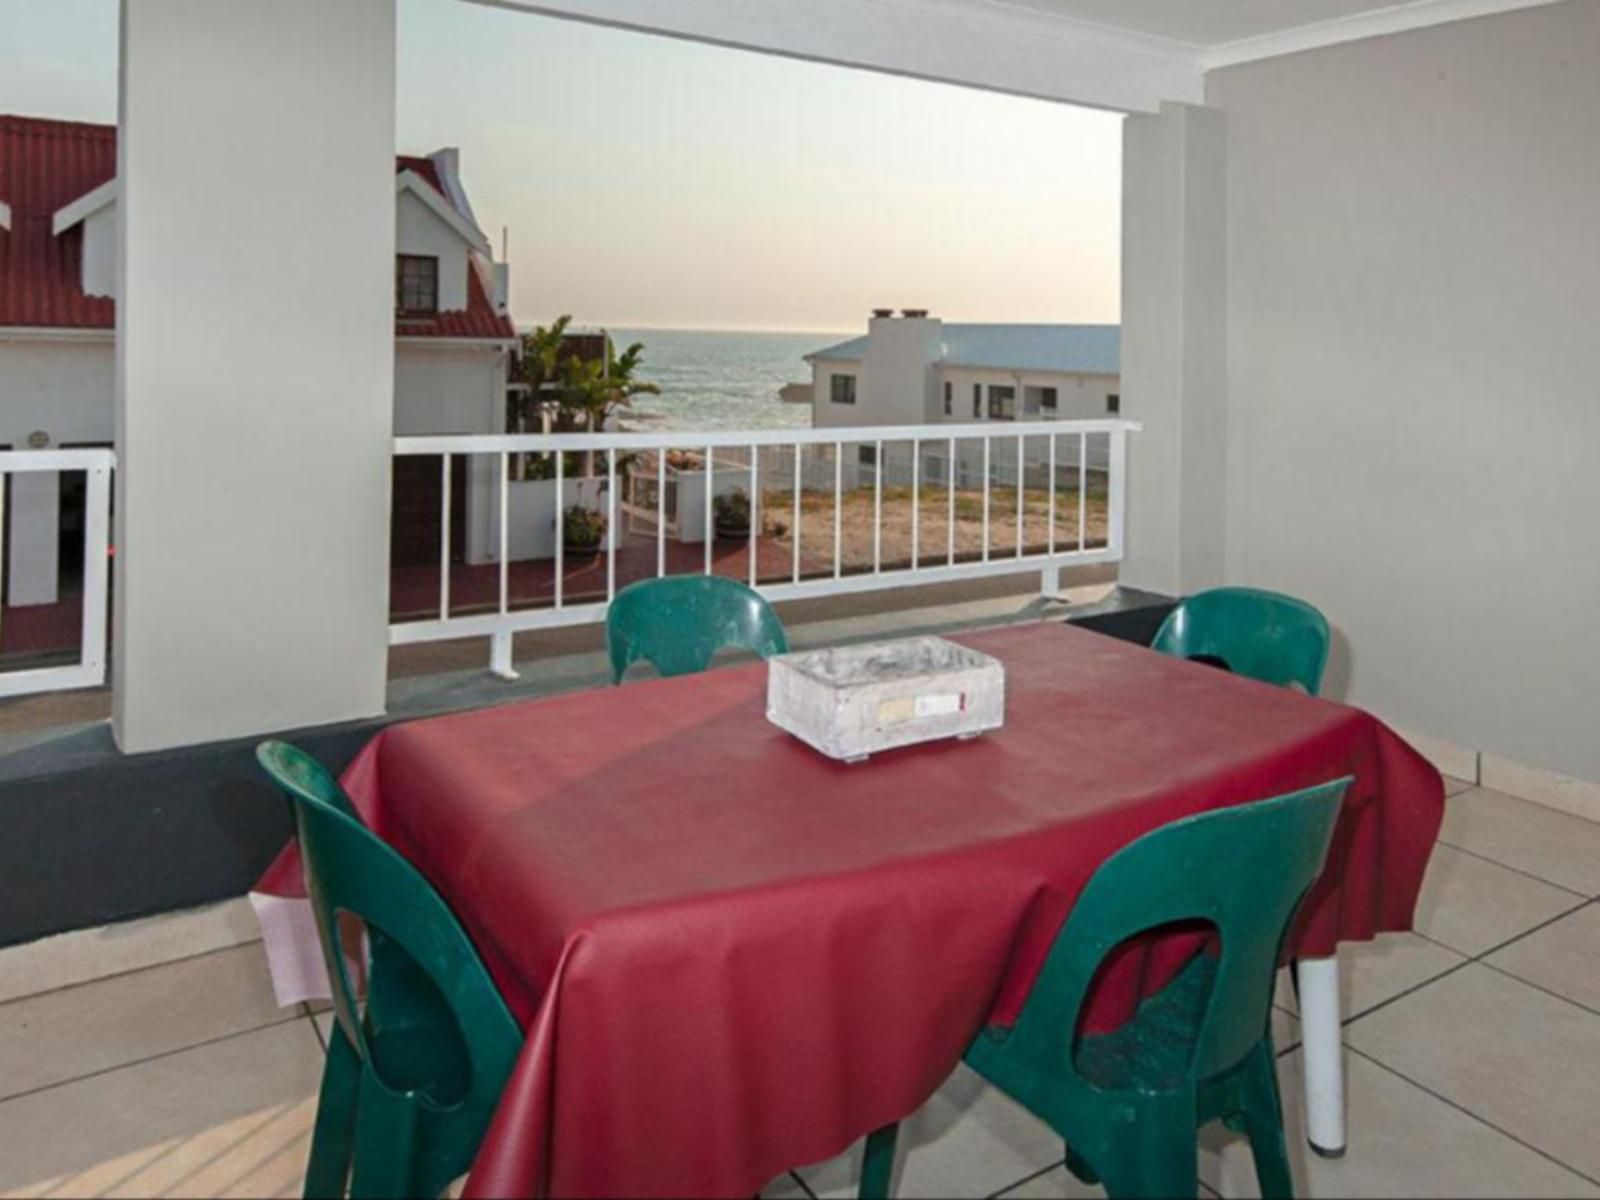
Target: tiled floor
1473, 1062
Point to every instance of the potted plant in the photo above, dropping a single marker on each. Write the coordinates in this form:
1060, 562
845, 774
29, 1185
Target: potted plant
683, 460
583, 533
732, 516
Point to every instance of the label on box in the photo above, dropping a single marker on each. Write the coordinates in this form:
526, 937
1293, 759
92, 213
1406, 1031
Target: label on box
911, 708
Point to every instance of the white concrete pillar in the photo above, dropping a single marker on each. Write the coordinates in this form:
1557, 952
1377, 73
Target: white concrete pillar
34, 544
255, 366
1174, 346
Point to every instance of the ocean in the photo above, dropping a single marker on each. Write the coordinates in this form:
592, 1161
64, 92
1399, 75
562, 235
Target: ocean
720, 380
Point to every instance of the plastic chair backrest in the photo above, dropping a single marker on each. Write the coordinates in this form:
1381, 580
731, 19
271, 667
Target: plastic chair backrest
1264, 635
349, 869
678, 624
1242, 870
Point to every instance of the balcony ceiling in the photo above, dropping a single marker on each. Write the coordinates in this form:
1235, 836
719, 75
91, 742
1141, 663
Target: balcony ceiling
1126, 55
1262, 27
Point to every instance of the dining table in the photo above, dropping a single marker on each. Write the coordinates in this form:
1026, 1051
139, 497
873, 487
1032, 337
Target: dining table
733, 955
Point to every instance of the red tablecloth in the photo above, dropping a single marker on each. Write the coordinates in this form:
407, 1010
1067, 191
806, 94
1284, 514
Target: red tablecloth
734, 956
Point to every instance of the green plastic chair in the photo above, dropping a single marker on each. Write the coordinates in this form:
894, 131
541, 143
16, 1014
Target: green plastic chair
1128, 1103
678, 623
410, 1084
1264, 635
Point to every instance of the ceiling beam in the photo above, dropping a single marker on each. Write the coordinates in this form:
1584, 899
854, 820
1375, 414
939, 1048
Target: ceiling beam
993, 46
1377, 22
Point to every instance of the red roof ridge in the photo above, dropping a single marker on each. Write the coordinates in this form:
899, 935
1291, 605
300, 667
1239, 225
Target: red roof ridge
21, 123
46, 164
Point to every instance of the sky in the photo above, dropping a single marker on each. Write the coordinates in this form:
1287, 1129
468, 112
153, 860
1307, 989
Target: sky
654, 183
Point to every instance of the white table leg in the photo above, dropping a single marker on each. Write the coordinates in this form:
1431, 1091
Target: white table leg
1321, 1037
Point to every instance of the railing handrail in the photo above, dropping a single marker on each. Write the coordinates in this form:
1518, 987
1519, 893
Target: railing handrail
1064, 541
57, 460
528, 443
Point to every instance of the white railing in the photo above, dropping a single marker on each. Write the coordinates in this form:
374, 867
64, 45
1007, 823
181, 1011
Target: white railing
1018, 468
90, 669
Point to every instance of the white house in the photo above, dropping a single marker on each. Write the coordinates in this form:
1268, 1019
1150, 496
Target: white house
913, 369
58, 286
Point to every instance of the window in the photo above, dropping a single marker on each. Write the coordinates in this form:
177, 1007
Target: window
949, 398
1002, 403
844, 389
977, 401
867, 456
1114, 404
1047, 399
416, 283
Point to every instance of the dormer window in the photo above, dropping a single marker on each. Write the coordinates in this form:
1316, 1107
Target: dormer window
416, 284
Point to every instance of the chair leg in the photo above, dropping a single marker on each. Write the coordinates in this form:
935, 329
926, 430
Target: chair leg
1080, 1168
877, 1168
1156, 1157
1155, 1176
1263, 1120
333, 1137
386, 1164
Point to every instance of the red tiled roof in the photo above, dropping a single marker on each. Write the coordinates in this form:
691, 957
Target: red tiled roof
46, 165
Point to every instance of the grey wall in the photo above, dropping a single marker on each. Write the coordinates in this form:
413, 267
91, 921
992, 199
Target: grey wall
255, 370
1174, 347
1414, 368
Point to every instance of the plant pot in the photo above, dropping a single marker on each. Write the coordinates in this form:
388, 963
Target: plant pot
732, 533
580, 554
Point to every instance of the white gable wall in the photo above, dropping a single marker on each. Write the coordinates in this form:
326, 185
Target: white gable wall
420, 231
100, 253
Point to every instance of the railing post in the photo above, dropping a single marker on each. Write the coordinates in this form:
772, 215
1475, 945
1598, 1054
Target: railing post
500, 656
1116, 494
795, 532
661, 511
96, 571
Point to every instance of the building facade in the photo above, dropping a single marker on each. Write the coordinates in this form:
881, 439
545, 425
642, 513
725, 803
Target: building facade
59, 195
914, 369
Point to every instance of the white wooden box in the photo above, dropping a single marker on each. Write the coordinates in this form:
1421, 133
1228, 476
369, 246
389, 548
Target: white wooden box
853, 701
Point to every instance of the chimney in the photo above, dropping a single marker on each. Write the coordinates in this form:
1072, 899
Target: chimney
883, 314
914, 314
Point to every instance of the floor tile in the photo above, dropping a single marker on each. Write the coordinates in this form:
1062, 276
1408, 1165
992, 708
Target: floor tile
785, 1187
1371, 973
1403, 1142
1563, 957
968, 1140
1057, 1183
1580, 797
232, 1118
66, 1034
1285, 1030
1454, 786
1518, 1058
1060, 1184
1555, 846
1472, 905
88, 954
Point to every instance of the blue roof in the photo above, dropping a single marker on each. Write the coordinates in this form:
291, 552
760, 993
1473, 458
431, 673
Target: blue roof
1082, 349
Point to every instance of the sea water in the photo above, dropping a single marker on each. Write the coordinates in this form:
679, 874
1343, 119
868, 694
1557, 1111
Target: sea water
713, 380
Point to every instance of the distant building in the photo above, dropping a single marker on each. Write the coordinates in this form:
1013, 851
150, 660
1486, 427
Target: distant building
913, 369
58, 289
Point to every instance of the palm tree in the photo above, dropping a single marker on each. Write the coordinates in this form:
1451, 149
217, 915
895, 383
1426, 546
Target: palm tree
598, 388
539, 368
595, 389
